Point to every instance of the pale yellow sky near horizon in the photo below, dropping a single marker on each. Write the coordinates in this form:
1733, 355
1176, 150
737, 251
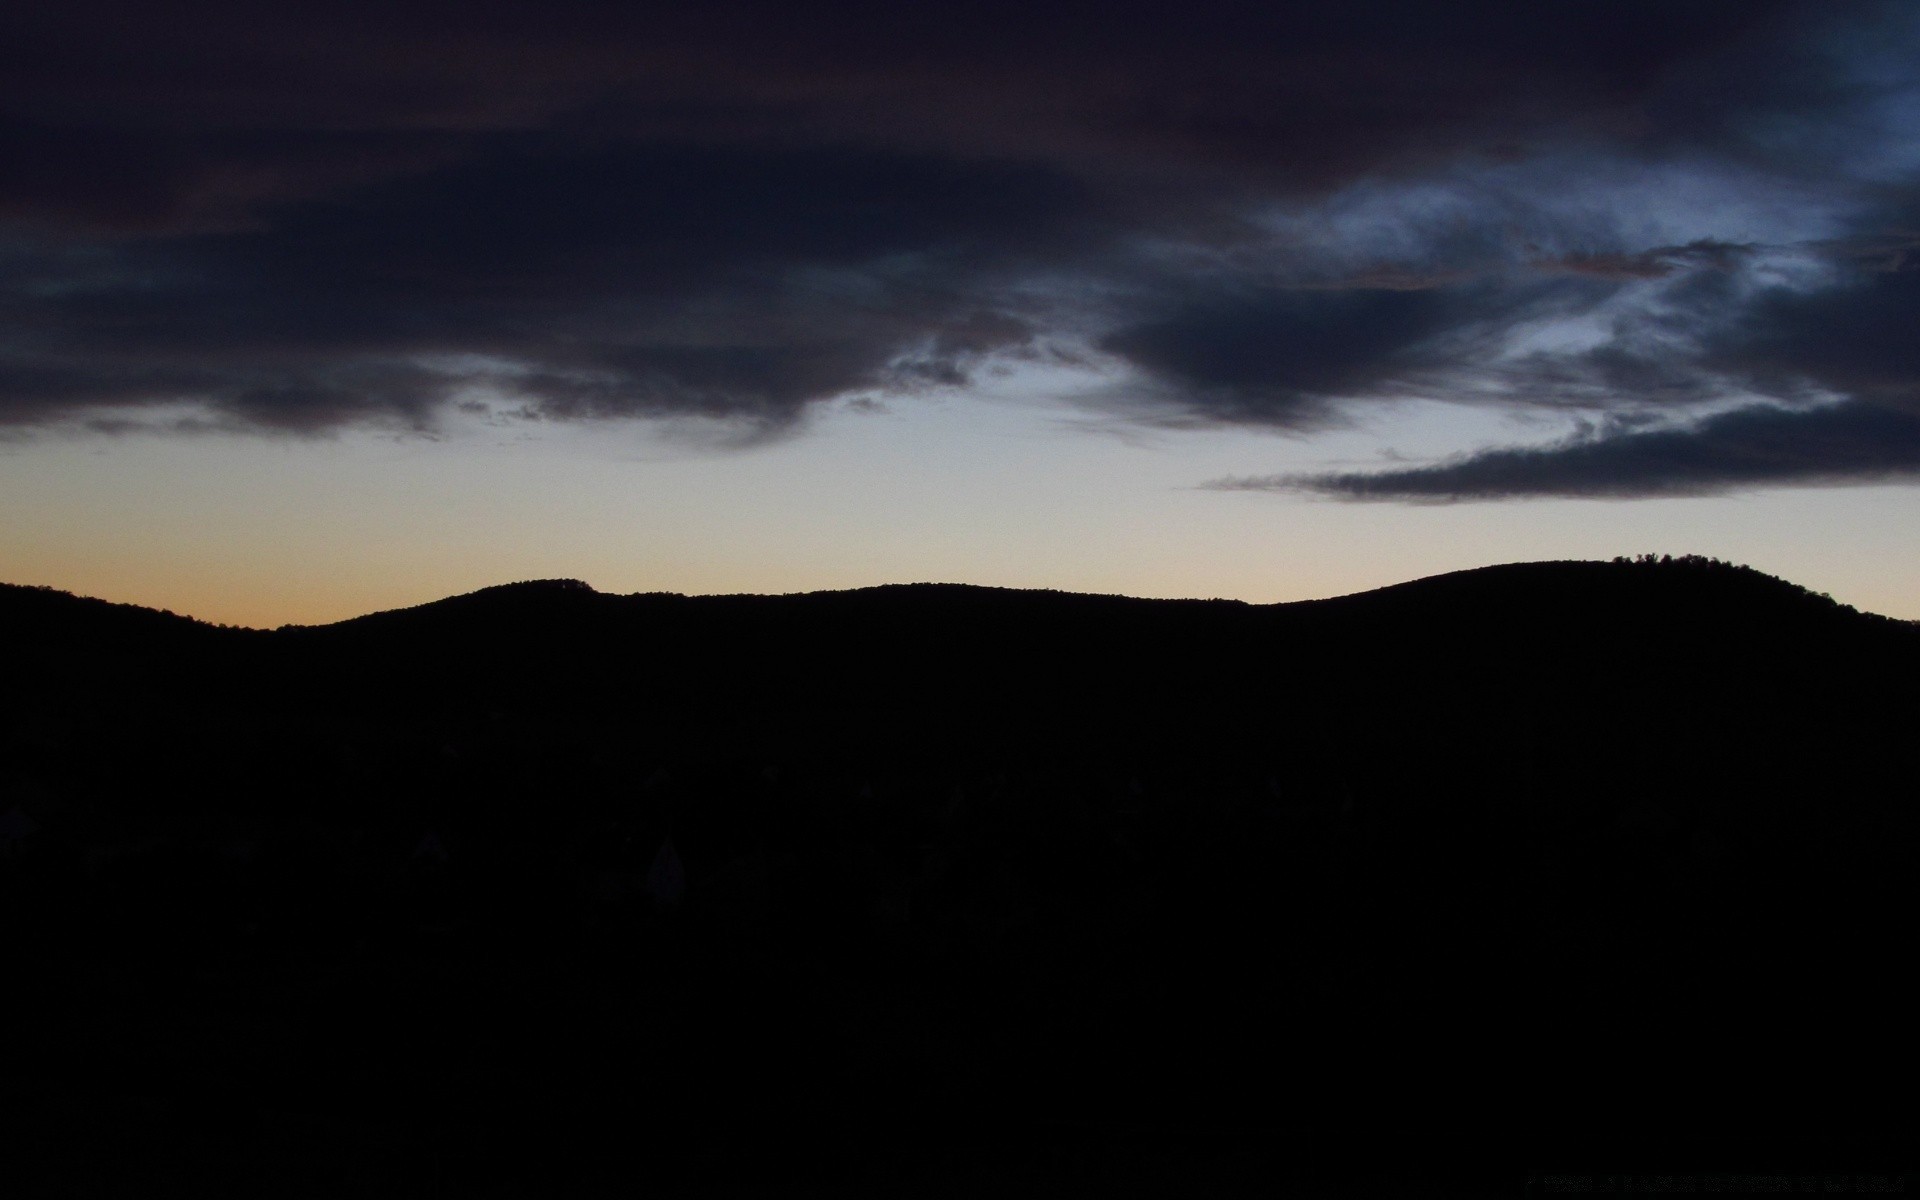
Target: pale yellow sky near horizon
989, 490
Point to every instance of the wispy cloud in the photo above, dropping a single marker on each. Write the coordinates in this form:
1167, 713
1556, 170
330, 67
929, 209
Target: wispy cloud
1743, 449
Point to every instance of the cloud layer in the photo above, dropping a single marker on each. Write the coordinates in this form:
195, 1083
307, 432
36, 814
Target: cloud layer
1688, 223
1746, 448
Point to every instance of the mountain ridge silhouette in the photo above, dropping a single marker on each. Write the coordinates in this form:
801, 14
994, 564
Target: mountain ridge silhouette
1684, 570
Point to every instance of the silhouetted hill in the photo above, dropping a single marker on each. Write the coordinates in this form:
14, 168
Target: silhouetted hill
42, 616
933, 639
1519, 866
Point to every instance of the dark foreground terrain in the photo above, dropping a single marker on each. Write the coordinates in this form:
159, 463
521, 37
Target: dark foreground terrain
1554, 868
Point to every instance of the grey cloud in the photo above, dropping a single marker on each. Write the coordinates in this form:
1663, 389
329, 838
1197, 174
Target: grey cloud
1759, 446
1283, 357
1840, 360
601, 281
1656, 263
1861, 338
307, 218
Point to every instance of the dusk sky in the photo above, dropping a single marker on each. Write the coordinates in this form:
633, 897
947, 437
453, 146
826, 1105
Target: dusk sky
316, 309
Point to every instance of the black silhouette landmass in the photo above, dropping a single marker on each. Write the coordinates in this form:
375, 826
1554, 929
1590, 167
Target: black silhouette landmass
945, 890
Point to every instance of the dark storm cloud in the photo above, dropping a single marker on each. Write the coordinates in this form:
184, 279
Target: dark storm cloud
303, 217
1279, 356
1758, 446
1860, 338
1298, 87
602, 281
1290, 357
1855, 338
1301, 355
1658, 262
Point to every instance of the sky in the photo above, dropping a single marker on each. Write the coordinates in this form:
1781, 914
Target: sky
308, 310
